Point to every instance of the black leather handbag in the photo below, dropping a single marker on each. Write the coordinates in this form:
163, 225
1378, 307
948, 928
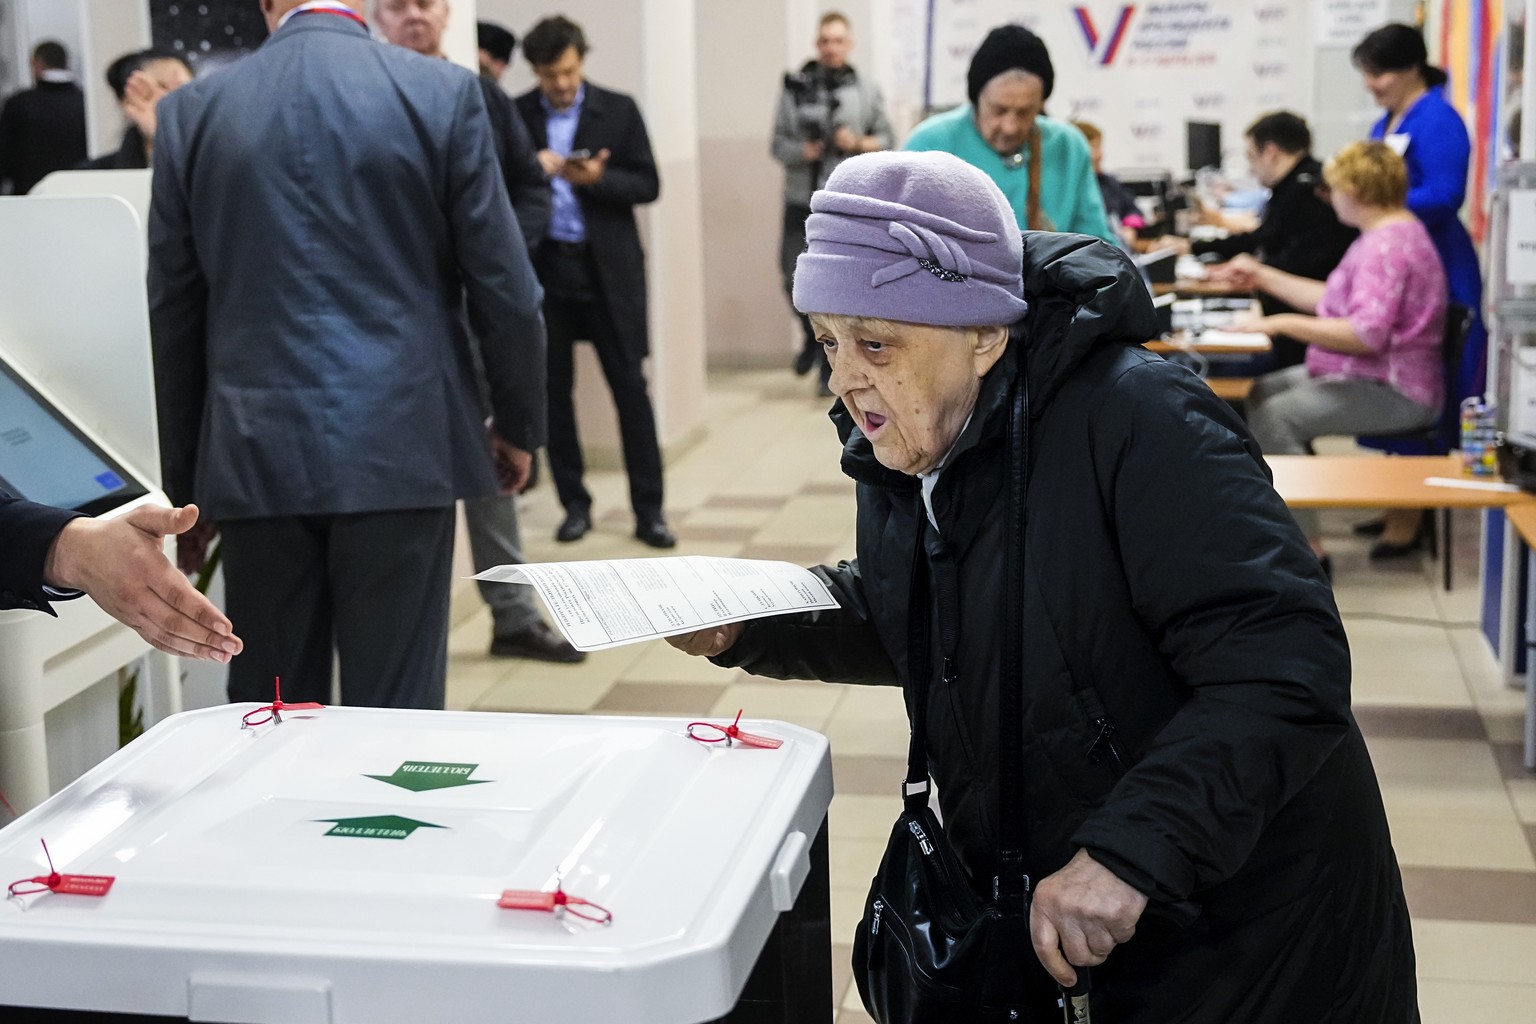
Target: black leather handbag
929, 948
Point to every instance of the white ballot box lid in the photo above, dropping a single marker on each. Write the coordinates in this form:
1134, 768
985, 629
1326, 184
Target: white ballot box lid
345, 865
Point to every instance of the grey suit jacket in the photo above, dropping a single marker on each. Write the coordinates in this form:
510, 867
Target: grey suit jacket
322, 210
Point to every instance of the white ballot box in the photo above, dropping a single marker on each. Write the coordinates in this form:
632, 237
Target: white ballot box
351, 866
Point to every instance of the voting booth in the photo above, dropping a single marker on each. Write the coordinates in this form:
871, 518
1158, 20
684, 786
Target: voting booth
131, 186
363, 866
77, 429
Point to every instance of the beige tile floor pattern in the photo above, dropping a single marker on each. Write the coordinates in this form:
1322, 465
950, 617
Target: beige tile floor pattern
1442, 726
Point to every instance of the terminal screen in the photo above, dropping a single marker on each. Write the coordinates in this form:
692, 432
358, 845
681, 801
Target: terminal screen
45, 458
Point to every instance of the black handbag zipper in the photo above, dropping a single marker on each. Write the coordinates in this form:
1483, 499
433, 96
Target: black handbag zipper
898, 932
958, 889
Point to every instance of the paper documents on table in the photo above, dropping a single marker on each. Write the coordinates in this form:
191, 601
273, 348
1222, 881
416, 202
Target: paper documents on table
605, 604
1237, 341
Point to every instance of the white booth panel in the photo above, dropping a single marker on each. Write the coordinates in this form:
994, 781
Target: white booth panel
75, 315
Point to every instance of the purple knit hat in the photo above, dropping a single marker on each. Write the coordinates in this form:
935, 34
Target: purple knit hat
922, 238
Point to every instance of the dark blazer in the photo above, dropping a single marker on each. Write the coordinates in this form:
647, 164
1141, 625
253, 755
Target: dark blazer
27, 531
129, 156
527, 184
1299, 234
321, 211
42, 130
611, 120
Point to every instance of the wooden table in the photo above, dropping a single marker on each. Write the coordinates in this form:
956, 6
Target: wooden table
1192, 289
1391, 482
1523, 519
1367, 481
1230, 389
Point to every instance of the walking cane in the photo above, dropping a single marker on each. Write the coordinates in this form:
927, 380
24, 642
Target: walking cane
1074, 1000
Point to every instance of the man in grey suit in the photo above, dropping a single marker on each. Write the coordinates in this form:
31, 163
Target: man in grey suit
322, 209
517, 628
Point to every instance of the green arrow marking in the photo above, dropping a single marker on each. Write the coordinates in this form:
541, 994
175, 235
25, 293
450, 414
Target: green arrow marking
420, 776
379, 826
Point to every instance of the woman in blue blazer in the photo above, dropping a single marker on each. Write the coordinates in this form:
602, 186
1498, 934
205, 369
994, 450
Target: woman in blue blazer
1423, 127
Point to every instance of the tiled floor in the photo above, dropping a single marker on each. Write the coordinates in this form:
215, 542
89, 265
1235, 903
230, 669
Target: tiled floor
1443, 728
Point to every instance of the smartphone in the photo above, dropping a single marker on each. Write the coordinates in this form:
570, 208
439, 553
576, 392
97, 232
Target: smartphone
579, 154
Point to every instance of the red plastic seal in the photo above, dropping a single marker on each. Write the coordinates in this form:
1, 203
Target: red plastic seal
550, 902
708, 732
274, 712
67, 885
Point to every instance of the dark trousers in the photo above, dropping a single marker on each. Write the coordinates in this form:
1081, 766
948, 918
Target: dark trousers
575, 310
791, 245
375, 585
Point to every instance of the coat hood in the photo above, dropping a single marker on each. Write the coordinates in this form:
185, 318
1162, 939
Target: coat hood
1084, 294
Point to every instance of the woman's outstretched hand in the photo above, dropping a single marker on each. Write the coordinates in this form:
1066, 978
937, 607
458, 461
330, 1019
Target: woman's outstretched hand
706, 643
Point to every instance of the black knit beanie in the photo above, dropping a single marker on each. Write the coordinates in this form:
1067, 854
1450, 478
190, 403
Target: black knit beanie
1005, 48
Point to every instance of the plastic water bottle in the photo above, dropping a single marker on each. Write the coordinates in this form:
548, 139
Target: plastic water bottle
1478, 455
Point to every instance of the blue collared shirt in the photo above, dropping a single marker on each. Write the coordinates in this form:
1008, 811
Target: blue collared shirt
565, 220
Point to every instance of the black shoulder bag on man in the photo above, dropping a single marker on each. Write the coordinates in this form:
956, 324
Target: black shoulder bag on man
928, 950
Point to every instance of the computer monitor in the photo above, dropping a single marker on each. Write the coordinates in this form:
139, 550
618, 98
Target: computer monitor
45, 457
1157, 267
1153, 190
1203, 144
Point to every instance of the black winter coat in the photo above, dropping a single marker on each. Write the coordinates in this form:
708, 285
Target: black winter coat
1186, 690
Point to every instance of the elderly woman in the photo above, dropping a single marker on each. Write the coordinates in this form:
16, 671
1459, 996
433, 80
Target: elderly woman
1041, 164
1373, 331
1201, 815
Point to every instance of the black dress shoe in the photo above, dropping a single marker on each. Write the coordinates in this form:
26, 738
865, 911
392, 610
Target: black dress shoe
655, 533
1369, 528
1384, 550
1387, 549
539, 643
574, 526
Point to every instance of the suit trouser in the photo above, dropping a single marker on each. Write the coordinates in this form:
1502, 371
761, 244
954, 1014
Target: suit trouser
791, 244
567, 319
495, 539
374, 584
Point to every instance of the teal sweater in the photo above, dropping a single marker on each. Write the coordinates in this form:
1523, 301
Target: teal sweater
1069, 192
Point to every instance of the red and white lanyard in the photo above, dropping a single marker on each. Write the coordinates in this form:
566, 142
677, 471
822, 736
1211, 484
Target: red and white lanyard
323, 7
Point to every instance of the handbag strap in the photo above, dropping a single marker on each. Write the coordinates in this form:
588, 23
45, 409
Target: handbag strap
1011, 886
914, 790
1032, 217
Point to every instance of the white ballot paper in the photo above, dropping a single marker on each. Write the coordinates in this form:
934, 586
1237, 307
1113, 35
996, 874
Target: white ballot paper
605, 604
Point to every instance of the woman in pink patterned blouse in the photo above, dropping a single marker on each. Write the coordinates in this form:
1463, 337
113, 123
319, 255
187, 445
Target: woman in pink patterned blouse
1373, 357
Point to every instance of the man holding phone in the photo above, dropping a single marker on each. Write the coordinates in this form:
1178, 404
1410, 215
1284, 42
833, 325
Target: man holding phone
593, 144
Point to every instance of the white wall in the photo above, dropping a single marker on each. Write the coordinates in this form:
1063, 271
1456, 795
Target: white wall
748, 316
459, 43
112, 28
1342, 111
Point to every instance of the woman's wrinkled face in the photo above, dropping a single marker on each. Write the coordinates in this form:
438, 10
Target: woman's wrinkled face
909, 387
1006, 109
